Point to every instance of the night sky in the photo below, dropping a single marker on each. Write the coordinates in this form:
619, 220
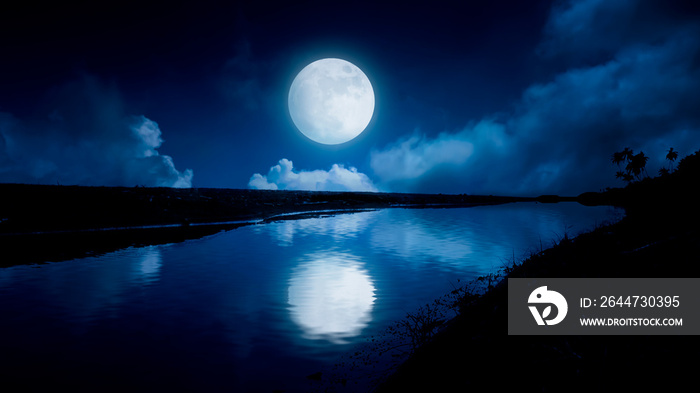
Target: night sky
497, 97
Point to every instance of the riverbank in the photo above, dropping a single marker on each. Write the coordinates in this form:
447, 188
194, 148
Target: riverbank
659, 237
40, 223
475, 352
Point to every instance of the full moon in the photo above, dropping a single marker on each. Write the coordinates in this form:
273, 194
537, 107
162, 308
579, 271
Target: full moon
331, 101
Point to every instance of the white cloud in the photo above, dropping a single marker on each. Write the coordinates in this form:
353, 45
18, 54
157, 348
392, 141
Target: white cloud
410, 160
283, 177
161, 167
148, 133
86, 139
413, 157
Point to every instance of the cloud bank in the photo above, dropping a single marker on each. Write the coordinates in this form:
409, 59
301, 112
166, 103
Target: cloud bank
82, 136
283, 177
641, 93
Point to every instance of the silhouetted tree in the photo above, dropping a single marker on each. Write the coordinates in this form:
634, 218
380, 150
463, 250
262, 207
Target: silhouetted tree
637, 164
635, 167
618, 158
671, 157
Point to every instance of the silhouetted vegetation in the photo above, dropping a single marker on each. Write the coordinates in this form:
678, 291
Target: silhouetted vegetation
671, 157
635, 164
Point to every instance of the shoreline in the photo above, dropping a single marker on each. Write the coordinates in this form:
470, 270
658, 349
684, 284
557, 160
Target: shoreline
474, 350
43, 223
45, 208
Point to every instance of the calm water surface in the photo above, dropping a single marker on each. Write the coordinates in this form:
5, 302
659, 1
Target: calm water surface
257, 308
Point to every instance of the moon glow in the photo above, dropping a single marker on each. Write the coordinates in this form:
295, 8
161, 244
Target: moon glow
331, 296
331, 101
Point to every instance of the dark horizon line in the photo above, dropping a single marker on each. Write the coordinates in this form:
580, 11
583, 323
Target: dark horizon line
295, 191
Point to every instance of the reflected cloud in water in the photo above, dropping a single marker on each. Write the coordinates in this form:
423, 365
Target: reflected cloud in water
479, 238
331, 296
146, 269
418, 242
95, 288
342, 226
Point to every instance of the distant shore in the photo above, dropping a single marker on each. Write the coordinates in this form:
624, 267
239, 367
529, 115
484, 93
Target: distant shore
42, 223
45, 208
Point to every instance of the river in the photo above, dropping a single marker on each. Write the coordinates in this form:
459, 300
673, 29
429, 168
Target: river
258, 308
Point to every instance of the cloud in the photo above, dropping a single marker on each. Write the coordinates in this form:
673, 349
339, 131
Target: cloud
560, 135
413, 157
590, 31
568, 31
82, 135
283, 177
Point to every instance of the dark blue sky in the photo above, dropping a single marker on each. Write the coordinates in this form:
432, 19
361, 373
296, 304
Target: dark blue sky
502, 97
